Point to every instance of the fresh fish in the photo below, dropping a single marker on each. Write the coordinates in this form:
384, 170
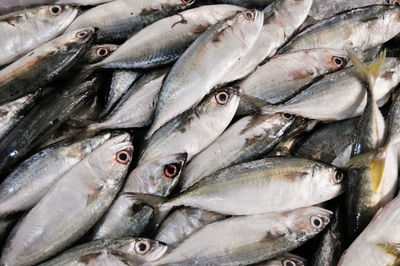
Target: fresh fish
83, 2
195, 129
262, 186
72, 205
120, 19
285, 260
184, 222
98, 52
249, 138
165, 40
121, 81
283, 76
378, 244
11, 113
281, 20
328, 142
339, 95
351, 29
204, 63
29, 182
371, 127
127, 216
259, 4
40, 123
43, 64
126, 250
250, 239
28, 29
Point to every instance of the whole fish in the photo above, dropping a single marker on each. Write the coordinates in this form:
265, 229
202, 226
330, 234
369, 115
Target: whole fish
339, 95
72, 205
380, 240
281, 19
263, 186
204, 63
248, 138
183, 222
195, 129
98, 52
120, 19
283, 76
127, 250
11, 113
250, 239
29, 28
121, 81
29, 182
165, 40
136, 107
42, 121
259, 4
285, 260
128, 217
351, 29
43, 64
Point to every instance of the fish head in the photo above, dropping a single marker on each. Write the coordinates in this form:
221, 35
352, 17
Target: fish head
327, 181
159, 176
224, 98
75, 40
60, 16
144, 249
327, 60
96, 53
287, 260
246, 25
393, 2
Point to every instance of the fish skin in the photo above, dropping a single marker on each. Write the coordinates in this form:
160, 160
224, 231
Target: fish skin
30, 28
43, 64
246, 240
166, 40
204, 123
98, 52
259, 4
339, 95
283, 76
248, 138
239, 189
281, 19
118, 20
124, 247
350, 29
192, 76
75, 203
183, 222
29, 182
42, 120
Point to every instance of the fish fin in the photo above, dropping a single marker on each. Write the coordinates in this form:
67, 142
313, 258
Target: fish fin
85, 259
392, 249
359, 160
125, 258
369, 73
93, 194
273, 235
255, 103
377, 166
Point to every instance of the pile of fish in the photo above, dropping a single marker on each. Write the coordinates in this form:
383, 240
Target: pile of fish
199, 132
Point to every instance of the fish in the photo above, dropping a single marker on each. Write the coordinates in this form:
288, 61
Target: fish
184, 222
258, 4
203, 64
263, 186
120, 19
244, 240
248, 138
128, 216
98, 52
204, 123
339, 95
29, 28
350, 29
284, 75
287, 259
72, 205
31, 179
166, 40
43, 64
126, 250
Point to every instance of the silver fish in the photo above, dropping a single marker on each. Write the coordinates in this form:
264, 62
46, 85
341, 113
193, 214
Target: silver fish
259, 4
98, 52
285, 260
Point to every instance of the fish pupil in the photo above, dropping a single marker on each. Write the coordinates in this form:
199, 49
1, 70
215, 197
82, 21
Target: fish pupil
55, 9
338, 61
317, 222
123, 156
289, 263
142, 247
102, 51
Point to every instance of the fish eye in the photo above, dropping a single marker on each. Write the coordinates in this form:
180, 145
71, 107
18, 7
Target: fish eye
55, 10
142, 246
186, 2
287, 116
249, 15
171, 170
124, 156
395, 2
288, 262
316, 222
82, 34
338, 177
102, 51
339, 62
222, 97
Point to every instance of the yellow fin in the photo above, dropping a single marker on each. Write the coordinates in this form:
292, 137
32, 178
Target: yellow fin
392, 249
377, 166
